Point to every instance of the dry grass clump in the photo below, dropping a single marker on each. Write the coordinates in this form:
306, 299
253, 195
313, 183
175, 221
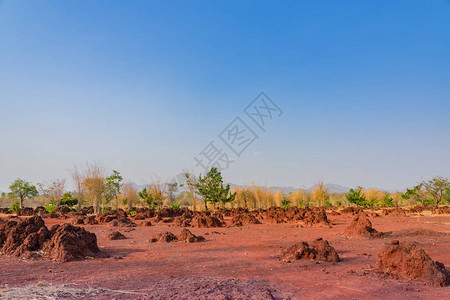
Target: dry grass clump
255, 197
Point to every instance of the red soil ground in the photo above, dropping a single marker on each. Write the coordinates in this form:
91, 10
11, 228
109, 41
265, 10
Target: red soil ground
241, 261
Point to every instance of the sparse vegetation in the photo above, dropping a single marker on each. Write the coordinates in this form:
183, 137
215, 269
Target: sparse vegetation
210, 187
22, 190
437, 187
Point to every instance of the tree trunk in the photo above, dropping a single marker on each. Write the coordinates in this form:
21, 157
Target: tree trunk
206, 206
21, 203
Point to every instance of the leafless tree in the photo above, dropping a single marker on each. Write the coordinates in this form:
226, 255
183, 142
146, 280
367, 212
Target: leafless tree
77, 178
56, 191
129, 194
94, 184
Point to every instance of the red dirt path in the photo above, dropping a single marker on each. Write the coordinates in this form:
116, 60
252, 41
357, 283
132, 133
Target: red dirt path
250, 253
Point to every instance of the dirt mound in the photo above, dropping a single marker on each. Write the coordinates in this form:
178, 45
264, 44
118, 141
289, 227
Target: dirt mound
164, 237
315, 217
407, 260
90, 220
185, 236
394, 212
83, 220
206, 222
352, 210
276, 215
116, 235
189, 237
442, 210
244, 219
318, 250
361, 227
4, 210
63, 243
139, 216
146, 224
21, 238
122, 222
77, 221
26, 211
69, 243
182, 221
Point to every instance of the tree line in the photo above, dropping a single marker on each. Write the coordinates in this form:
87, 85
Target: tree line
94, 187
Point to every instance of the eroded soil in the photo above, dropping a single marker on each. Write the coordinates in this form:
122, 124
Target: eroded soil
243, 262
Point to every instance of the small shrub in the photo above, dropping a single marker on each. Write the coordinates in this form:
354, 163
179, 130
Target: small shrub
50, 207
133, 212
15, 207
388, 200
175, 206
285, 202
68, 200
328, 203
356, 197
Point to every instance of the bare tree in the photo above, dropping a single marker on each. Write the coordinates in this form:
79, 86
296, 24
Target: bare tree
77, 178
191, 186
56, 191
129, 195
94, 184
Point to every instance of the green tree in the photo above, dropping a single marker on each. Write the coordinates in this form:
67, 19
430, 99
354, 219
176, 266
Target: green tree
437, 187
416, 194
211, 189
113, 185
285, 202
356, 197
22, 190
147, 198
388, 200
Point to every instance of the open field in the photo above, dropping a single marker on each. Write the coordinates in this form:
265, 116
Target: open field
234, 262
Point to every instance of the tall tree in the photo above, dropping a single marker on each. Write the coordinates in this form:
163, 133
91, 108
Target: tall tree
22, 190
190, 185
113, 185
56, 191
77, 178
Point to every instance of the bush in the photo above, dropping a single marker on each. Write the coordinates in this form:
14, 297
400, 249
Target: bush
175, 206
15, 207
356, 197
68, 200
388, 200
50, 207
133, 212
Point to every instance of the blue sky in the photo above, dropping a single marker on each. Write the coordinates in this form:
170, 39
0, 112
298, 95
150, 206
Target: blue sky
144, 86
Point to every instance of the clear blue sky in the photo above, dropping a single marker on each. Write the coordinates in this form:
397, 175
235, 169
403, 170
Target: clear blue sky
143, 86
